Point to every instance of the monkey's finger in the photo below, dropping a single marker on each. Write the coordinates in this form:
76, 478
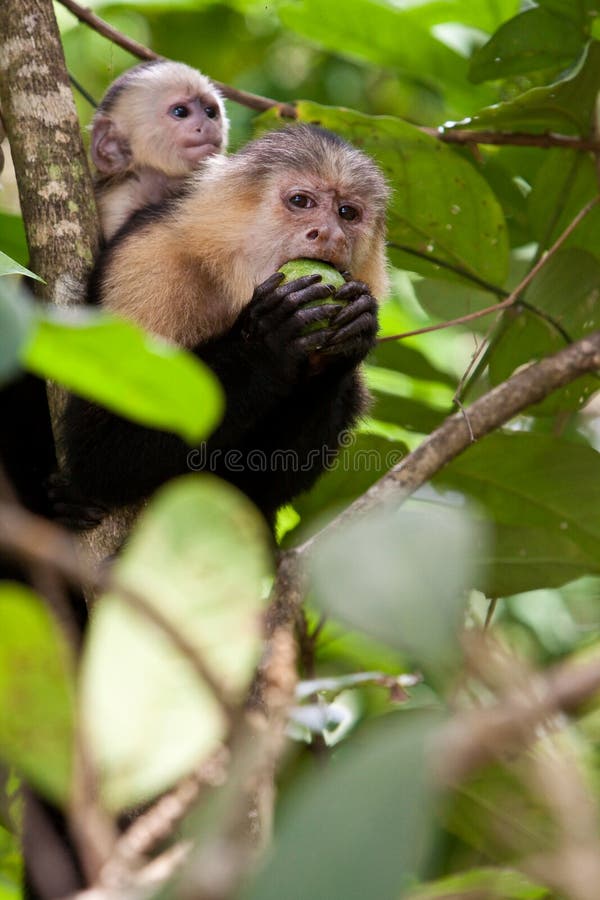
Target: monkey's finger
264, 302
293, 303
364, 325
307, 316
266, 287
351, 290
364, 304
316, 340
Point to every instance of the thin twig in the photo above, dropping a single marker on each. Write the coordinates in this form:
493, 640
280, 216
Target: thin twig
513, 138
259, 103
514, 295
253, 101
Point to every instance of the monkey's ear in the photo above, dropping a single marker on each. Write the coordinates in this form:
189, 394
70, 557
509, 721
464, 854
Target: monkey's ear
111, 152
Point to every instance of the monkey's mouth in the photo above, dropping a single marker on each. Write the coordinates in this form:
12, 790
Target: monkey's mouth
196, 152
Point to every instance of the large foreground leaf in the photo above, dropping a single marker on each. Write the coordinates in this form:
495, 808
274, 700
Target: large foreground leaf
36, 693
376, 575
362, 827
119, 366
199, 557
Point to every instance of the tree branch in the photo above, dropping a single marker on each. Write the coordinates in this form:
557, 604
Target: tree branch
255, 101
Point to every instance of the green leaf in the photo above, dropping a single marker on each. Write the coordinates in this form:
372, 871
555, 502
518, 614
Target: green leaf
375, 574
398, 356
14, 242
8, 266
568, 290
565, 183
535, 39
542, 494
17, 320
363, 827
582, 12
370, 30
36, 693
487, 15
441, 208
362, 460
493, 884
566, 105
199, 554
114, 363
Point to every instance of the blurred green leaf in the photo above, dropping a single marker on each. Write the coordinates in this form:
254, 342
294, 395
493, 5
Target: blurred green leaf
375, 574
17, 321
566, 105
8, 266
370, 30
491, 884
543, 495
363, 826
363, 460
535, 39
397, 355
11, 874
117, 365
199, 554
13, 237
486, 15
36, 693
582, 12
441, 208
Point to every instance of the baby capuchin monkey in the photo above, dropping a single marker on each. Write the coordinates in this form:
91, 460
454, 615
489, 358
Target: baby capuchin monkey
201, 271
156, 123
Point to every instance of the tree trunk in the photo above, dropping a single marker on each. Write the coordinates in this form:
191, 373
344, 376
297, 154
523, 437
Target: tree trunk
41, 123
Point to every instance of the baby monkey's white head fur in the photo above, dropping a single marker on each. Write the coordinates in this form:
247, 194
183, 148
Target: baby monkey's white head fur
298, 192
161, 114
153, 127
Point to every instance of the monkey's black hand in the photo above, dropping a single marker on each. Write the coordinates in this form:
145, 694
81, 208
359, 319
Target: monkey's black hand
352, 332
280, 316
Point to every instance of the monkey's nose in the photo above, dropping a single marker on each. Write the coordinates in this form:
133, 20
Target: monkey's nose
313, 234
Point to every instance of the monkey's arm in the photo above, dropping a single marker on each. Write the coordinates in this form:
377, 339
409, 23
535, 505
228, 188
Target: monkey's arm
300, 438
112, 461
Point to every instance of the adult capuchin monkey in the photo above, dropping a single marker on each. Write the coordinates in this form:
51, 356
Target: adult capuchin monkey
201, 271
156, 124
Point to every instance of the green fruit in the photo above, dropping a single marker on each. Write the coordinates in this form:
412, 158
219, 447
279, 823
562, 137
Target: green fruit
297, 268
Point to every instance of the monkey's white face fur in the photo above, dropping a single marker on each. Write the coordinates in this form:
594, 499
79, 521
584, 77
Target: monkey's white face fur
187, 275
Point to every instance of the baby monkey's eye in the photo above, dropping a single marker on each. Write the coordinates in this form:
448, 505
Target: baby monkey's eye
301, 201
348, 212
211, 111
180, 111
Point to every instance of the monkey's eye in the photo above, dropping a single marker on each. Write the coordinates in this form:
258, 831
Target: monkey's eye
348, 212
301, 201
179, 111
212, 112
